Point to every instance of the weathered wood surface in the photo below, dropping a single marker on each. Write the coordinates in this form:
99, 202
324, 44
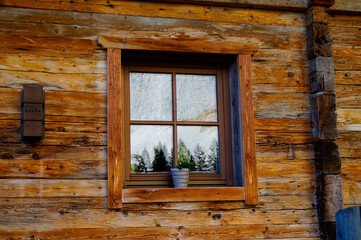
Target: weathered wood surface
346, 34
256, 231
115, 135
57, 188
178, 45
144, 195
155, 9
343, 6
284, 4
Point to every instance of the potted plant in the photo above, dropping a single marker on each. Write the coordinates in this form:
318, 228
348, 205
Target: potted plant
180, 174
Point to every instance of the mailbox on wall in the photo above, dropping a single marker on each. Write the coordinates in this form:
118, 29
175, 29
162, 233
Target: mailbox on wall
32, 112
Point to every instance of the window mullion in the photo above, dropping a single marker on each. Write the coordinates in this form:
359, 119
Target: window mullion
175, 146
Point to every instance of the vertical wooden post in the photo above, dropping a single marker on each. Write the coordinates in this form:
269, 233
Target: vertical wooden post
249, 143
115, 163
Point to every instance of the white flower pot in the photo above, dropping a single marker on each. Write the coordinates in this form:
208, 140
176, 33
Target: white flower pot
180, 177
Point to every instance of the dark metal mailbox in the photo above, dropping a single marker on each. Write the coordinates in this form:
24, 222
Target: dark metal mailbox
32, 111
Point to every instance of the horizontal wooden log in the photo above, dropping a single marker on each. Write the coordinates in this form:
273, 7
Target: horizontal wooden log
345, 36
52, 188
54, 202
279, 153
265, 202
286, 169
308, 231
55, 65
178, 45
289, 186
95, 218
59, 138
140, 195
348, 96
347, 77
347, 58
274, 124
351, 169
279, 75
351, 192
14, 125
282, 138
352, 6
91, 26
97, 188
244, 3
27, 151
82, 169
345, 20
73, 104
171, 10
82, 82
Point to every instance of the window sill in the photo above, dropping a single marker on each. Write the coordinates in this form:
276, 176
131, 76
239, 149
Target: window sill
204, 194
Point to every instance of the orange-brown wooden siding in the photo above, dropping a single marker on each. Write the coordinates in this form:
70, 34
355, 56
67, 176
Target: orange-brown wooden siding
346, 31
57, 188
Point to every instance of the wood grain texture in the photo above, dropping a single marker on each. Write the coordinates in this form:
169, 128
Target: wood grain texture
346, 31
147, 195
178, 45
301, 231
350, 6
164, 10
249, 141
71, 202
115, 161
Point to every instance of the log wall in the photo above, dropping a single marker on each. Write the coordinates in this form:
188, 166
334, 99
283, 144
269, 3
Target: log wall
56, 188
346, 31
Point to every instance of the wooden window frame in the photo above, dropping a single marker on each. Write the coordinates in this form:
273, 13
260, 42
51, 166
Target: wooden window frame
225, 175
240, 71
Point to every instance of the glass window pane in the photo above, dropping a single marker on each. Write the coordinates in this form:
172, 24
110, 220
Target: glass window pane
150, 96
200, 143
196, 97
151, 148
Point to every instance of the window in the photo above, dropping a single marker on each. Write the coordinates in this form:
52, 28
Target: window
172, 111
236, 70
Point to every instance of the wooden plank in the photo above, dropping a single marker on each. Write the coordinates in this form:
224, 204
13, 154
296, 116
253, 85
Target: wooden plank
24, 218
350, 5
178, 45
115, 160
141, 195
27, 151
351, 168
52, 188
168, 10
74, 82
249, 141
301, 231
265, 202
351, 192
54, 202
80, 169
282, 4
31, 63
60, 103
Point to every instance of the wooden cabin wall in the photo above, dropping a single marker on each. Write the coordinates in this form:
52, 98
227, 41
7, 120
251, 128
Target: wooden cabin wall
346, 31
57, 188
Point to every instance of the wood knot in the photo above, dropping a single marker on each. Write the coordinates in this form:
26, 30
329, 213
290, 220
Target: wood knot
217, 216
6, 156
35, 156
